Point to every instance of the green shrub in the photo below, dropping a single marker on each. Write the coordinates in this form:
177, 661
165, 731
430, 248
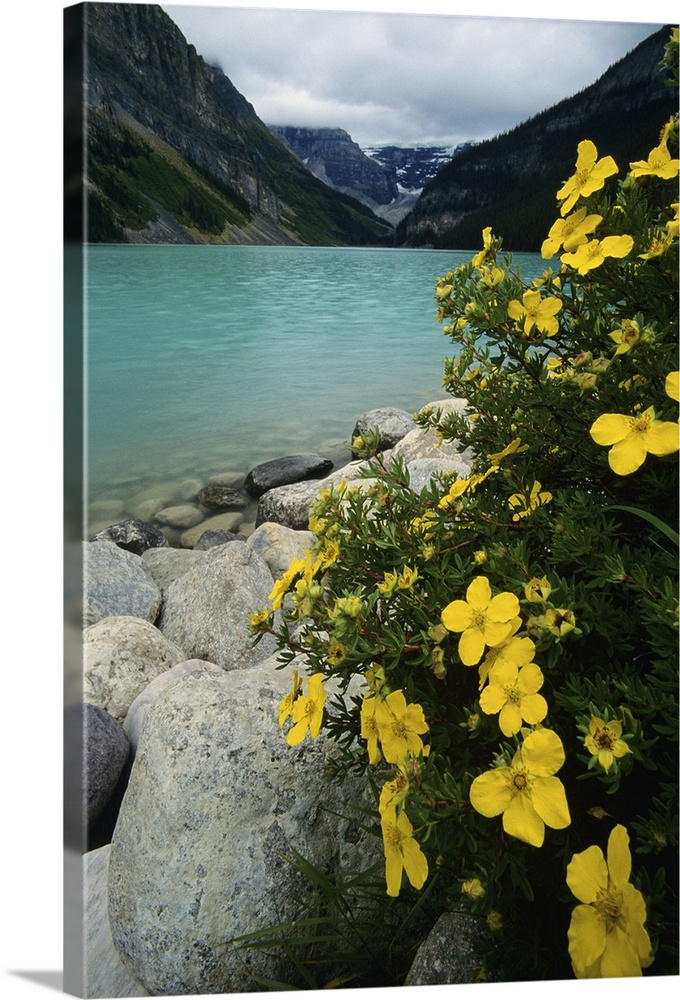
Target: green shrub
517, 629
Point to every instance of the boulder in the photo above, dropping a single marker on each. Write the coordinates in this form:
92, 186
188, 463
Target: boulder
279, 545
166, 565
104, 974
291, 505
282, 471
450, 954
216, 497
184, 515
422, 443
121, 655
206, 610
106, 750
393, 424
214, 536
136, 714
230, 521
193, 868
132, 535
115, 583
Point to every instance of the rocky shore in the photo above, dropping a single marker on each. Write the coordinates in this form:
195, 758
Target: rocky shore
192, 799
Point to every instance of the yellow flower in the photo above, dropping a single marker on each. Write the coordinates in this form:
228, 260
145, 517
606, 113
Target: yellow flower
671, 386
304, 567
494, 920
456, 491
559, 621
512, 692
523, 506
604, 741
480, 557
626, 337
369, 728
258, 618
514, 649
570, 233
658, 164
607, 936
407, 578
526, 792
536, 312
658, 246
394, 793
399, 727
402, 852
672, 224
307, 712
387, 584
336, 653
375, 677
589, 176
514, 448
633, 438
481, 618
537, 591
472, 888
286, 703
480, 257
591, 255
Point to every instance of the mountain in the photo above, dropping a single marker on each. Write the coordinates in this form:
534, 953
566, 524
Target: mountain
510, 181
175, 154
334, 158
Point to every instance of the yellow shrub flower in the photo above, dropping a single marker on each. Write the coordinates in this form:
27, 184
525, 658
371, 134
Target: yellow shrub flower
375, 677
407, 577
535, 311
589, 176
672, 224
626, 337
480, 257
512, 693
591, 255
483, 620
400, 727
538, 590
657, 246
524, 506
526, 792
657, 164
369, 728
633, 438
671, 386
514, 448
570, 233
559, 621
387, 584
307, 711
604, 741
607, 936
472, 888
394, 793
287, 702
402, 852
515, 649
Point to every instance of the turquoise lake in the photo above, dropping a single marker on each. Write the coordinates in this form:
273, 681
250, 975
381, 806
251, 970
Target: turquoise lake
204, 360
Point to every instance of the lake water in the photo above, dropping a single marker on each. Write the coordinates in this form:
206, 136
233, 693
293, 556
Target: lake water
204, 360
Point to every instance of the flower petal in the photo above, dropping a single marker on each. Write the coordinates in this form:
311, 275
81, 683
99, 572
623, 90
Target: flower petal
534, 708
587, 938
587, 874
521, 820
471, 646
530, 679
415, 863
609, 428
543, 753
510, 719
503, 607
662, 438
457, 616
478, 593
550, 802
491, 792
628, 455
620, 958
618, 856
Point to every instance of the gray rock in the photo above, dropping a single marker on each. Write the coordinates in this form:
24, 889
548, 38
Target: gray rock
136, 714
420, 443
214, 536
121, 655
230, 521
291, 505
132, 535
104, 974
206, 610
221, 498
233, 479
192, 869
450, 953
106, 750
394, 424
279, 545
166, 565
282, 471
183, 515
115, 582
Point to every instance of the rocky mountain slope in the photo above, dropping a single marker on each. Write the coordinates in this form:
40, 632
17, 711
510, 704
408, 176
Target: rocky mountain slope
177, 155
510, 181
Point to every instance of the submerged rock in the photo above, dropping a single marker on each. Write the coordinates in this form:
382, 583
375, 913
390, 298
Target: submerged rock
132, 535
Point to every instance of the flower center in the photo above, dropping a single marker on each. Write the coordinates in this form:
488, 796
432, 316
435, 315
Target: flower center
641, 424
393, 838
399, 729
478, 618
519, 781
604, 739
609, 904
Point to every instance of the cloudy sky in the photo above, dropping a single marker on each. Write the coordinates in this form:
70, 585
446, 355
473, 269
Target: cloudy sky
408, 78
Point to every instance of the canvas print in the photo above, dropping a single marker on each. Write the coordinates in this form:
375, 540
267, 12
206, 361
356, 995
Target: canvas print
371, 483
